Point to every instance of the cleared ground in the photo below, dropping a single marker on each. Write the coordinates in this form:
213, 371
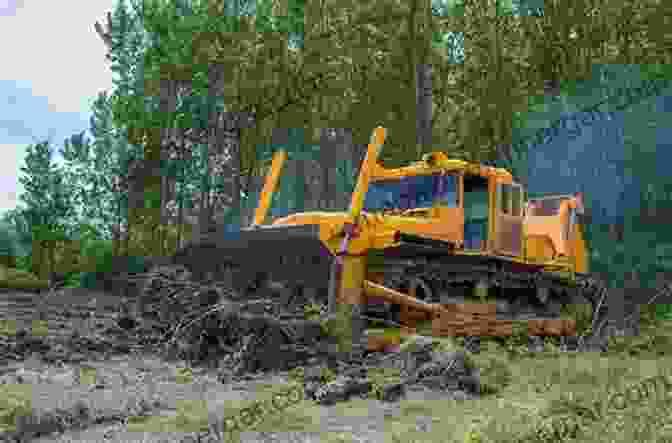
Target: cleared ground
535, 396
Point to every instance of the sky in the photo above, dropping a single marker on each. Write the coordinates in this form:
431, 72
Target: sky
53, 67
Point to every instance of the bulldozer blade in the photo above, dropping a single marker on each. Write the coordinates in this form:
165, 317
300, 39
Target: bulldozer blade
286, 254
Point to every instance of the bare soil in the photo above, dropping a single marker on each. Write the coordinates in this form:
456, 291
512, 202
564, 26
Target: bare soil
115, 385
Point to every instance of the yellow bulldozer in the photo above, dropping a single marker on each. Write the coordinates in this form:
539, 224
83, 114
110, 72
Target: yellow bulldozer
444, 241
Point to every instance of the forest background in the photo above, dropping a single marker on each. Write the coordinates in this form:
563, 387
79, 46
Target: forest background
205, 90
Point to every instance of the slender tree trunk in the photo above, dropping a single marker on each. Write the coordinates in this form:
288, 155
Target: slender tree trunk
179, 191
52, 257
333, 150
424, 105
158, 152
204, 215
231, 163
163, 216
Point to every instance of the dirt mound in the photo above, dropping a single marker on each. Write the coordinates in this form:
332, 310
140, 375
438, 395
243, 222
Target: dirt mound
208, 322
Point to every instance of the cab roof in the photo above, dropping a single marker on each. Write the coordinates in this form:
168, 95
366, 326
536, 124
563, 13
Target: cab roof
436, 162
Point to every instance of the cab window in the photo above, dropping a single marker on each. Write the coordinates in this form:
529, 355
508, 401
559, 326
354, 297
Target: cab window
544, 207
413, 192
510, 200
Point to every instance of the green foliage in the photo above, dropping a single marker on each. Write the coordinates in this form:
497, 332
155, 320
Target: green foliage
24, 263
664, 312
98, 255
448, 8
339, 326
97, 169
46, 198
129, 41
73, 280
582, 313
293, 24
155, 37
311, 311
100, 262
654, 339
25, 284
19, 229
15, 403
494, 371
297, 374
47, 210
381, 378
326, 375
8, 246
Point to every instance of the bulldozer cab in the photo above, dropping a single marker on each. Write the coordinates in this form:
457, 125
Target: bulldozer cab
457, 206
476, 211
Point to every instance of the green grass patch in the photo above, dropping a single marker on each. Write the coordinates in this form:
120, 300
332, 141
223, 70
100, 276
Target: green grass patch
7, 327
25, 284
547, 397
12, 278
40, 328
191, 416
15, 401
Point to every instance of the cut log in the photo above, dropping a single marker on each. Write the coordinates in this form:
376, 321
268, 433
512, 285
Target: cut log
409, 316
471, 308
460, 324
552, 327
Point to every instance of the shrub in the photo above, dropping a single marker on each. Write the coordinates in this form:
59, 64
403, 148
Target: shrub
100, 263
24, 263
73, 279
664, 311
8, 247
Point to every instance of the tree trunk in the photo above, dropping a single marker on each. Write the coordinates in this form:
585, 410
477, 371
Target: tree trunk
329, 144
424, 105
179, 192
163, 137
204, 213
135, 192
230, 157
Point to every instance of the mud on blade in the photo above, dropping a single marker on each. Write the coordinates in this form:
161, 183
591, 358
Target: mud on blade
287, 254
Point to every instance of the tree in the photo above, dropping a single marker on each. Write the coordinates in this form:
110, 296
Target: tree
204, 49
8, 246
20, 229
48, 207
447, 59
98, 170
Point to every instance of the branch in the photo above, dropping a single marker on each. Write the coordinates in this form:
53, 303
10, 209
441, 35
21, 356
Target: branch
301, 98
105, 35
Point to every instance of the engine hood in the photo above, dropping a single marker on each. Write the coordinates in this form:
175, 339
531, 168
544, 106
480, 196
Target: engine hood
312, 218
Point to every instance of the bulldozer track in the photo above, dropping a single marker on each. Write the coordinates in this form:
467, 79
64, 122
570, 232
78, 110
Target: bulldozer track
442, 278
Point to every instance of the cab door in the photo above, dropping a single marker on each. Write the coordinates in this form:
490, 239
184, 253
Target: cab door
509, 223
